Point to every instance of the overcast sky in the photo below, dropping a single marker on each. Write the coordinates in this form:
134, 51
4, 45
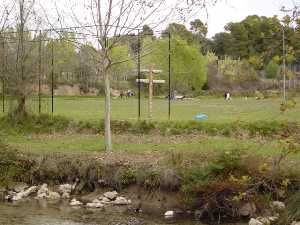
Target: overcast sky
236, 10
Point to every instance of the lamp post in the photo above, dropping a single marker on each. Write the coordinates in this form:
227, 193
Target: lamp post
285, 11
295, 15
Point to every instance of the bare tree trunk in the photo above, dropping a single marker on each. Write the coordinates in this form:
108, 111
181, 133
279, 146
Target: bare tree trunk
108, 143
21, 110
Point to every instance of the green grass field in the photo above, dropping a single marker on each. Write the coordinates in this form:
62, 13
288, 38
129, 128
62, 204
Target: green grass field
218, 111
81, 144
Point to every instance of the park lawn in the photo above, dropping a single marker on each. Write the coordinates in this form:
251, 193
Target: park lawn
93, 144
218, 111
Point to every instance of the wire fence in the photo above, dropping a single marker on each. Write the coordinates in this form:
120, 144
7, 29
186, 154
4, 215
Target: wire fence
44, 67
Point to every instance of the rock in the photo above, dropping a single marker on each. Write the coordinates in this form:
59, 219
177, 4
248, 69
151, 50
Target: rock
20, 187
273, 219
255, 222
247, 209
169, 214
65, 188
264, 221
8, 197
95, 204
43, 191
121, 201
65, 195
25, 193
278, 206
295, 223
75, 202
104, 200
53, 195
111, 195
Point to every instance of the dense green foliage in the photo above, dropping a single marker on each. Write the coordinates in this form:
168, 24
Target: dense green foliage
272, 70
258, 39
188, 64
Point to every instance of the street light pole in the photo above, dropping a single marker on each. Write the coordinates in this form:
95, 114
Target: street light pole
285, 11
284, 63
295, 12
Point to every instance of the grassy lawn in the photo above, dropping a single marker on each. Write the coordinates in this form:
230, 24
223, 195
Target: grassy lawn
219, 111
77, 144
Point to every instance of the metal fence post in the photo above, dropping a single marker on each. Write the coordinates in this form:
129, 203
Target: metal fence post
169, 108
52, 76
3, 78
40, 71
139, 75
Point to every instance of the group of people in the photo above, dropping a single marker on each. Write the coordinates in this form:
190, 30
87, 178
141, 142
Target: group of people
127, 93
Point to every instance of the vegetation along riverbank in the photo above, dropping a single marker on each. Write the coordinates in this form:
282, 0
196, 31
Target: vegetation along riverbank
213, 172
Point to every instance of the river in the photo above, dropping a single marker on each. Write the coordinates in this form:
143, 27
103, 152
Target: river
45, 213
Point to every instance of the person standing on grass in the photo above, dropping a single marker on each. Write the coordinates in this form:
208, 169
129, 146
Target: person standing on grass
227, 96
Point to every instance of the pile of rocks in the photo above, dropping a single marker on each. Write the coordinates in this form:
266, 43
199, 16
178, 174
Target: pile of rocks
39, 192
108, 198
44, 192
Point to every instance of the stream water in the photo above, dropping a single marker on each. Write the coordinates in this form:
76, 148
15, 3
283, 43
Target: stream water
45, 213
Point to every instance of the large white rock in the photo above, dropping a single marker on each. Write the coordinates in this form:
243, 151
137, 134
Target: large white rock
53, 195
20, 187
75, 202
295, 223
260, 221
121, 201
65, 188
247, 209
43, 191
169, 214
273, 219
25, 193
111, 195
95, 204
255, 222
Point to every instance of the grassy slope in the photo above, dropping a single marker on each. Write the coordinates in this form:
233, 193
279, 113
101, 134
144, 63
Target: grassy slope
219, 111
76, 143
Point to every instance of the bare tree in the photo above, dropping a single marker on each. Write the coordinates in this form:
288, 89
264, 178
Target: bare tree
106, 20
22, 81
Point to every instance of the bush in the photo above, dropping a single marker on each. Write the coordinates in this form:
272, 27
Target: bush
228, 162
272, 70
12, 167
35, 124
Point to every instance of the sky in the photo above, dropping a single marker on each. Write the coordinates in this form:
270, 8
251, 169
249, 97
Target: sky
216, 17
236, 10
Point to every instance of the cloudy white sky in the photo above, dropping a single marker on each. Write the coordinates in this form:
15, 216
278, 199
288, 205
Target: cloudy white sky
236, 10
223, 12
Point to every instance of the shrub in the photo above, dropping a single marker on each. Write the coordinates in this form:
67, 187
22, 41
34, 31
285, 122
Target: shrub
12, 167
35, 124
272, 70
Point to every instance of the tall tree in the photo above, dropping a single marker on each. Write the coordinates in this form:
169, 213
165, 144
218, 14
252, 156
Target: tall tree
117, 18
25, 11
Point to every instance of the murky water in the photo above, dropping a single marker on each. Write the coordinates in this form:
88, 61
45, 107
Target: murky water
45, 213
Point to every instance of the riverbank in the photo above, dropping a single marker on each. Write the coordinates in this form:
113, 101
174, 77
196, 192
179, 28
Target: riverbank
211, 182
214, 189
